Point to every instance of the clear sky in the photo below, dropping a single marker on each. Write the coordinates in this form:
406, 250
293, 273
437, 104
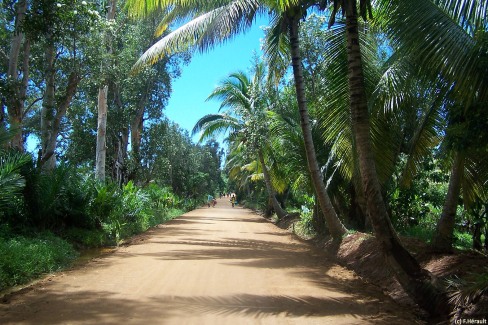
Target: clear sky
187, 102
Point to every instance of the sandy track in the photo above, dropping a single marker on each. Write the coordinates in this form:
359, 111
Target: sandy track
219, 265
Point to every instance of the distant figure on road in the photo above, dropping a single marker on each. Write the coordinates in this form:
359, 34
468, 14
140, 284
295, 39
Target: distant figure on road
233, 199
210, 200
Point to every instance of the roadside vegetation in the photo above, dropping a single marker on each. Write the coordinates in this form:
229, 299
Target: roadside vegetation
359, 117
48, 218
64, 187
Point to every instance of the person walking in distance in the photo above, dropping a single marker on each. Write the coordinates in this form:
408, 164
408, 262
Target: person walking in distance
210, 199
233, 199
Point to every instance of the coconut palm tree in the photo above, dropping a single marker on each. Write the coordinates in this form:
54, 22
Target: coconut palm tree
244, 101
447, 38
287, 144
216, 21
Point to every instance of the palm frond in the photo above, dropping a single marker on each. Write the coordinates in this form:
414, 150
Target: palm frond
212, 124
143, 8
183, 11
203, 32
465, 292
475, 179
471, 15
233, 92
277, 48
434, 33
425, 138
11, 181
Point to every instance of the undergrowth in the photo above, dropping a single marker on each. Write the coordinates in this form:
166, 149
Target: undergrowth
23, 258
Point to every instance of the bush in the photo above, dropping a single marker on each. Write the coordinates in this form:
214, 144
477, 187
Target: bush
305, 226
84, 238
463, 240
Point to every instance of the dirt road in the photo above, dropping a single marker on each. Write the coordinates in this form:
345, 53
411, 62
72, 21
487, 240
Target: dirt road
219, 265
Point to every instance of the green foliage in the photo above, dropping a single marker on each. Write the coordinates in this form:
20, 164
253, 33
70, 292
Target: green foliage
462, 240
83, 238
23, 258
11, 180
173, 161
80, 210
306, 224
417, 208
130, 210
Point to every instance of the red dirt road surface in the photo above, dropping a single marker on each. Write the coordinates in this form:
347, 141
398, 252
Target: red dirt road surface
219, 265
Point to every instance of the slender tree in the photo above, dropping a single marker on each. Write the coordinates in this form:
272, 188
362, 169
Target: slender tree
246, 102
60, 80
101, 151
416, 281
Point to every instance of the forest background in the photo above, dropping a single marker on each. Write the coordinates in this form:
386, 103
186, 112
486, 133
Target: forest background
110, 164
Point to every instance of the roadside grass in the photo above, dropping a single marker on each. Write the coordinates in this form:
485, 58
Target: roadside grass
25, 258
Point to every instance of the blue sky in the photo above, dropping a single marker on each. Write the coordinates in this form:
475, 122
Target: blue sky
187, 103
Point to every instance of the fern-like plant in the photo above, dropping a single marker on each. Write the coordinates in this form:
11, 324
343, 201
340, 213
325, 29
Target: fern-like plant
11, 180
466, 292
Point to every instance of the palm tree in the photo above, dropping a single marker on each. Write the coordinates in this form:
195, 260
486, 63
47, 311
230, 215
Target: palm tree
288, 146
447, 38
216, 21
246, 102
416, 281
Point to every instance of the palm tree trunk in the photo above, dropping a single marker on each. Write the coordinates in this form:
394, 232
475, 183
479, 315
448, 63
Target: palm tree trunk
269, 187
444, 235
334, 224
415, 281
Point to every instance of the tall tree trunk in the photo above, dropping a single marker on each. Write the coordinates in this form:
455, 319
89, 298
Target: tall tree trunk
356, 215
444, 234
49, 147
48, 160
269, 187
136, 127
120, 167
415, 281
120, 158
15, 101
334, 224
101, 153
